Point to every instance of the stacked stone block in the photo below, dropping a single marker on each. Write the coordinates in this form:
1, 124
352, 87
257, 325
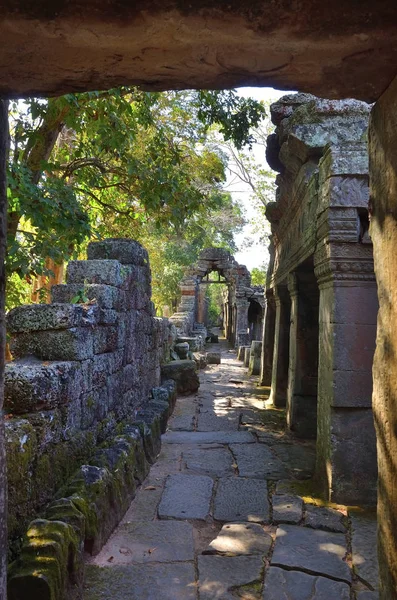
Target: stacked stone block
83, 364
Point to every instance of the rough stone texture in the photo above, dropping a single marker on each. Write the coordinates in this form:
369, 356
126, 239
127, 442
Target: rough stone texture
364, 548
214, 421
263, 50
219, 576
321, 286
239, 499
239, 539
146, 542
135, 582
186, 497
317, 552
254, 365
82, 369
293, 585
324, 517
213, 358
184, 373
287, 508
257, 461
383, 182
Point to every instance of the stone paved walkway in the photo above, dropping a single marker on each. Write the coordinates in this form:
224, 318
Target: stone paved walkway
220, 516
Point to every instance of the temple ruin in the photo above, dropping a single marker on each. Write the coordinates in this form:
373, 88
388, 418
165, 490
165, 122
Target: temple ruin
341, 50
243, 306
321, 290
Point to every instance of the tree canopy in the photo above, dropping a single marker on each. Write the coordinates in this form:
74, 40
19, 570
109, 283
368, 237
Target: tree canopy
121, 162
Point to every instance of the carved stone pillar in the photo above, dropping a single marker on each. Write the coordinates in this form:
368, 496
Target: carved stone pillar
346, 451
268, 340
279, 385
303, 353
242, 305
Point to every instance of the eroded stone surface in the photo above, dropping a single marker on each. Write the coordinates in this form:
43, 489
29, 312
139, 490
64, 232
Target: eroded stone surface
241, 539
241, 499
186, 497
287, 508
295, 585
219, 575
314, 551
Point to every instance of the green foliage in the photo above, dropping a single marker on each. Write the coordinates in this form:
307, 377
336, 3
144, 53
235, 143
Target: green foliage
258, 275
122, 162
215, 294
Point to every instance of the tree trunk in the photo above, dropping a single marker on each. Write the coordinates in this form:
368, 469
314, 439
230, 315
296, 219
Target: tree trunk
4, 140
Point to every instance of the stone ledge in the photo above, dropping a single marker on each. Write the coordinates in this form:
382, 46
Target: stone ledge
89, 506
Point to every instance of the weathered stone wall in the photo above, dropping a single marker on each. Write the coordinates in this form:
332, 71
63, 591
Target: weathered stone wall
83, 364
383, 202
322, 281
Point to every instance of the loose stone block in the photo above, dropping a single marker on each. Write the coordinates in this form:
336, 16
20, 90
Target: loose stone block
213, 358
311, 550
148, 541
220, 576
186, 497
162, 409
136, 582
184, 374
40, 317
182, 350
294, 585
324, 517
287, 509
239, 539
240, 499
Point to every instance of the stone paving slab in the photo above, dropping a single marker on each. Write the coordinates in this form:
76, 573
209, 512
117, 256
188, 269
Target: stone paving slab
239, 499
215, 462
144, 505
208, 437
364, 547
183, 418
239, 539
141, 582
186, 497
287, 509
295, 585
324, 517
257, 461
148, 542
311, 550
211, 421
220, 575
